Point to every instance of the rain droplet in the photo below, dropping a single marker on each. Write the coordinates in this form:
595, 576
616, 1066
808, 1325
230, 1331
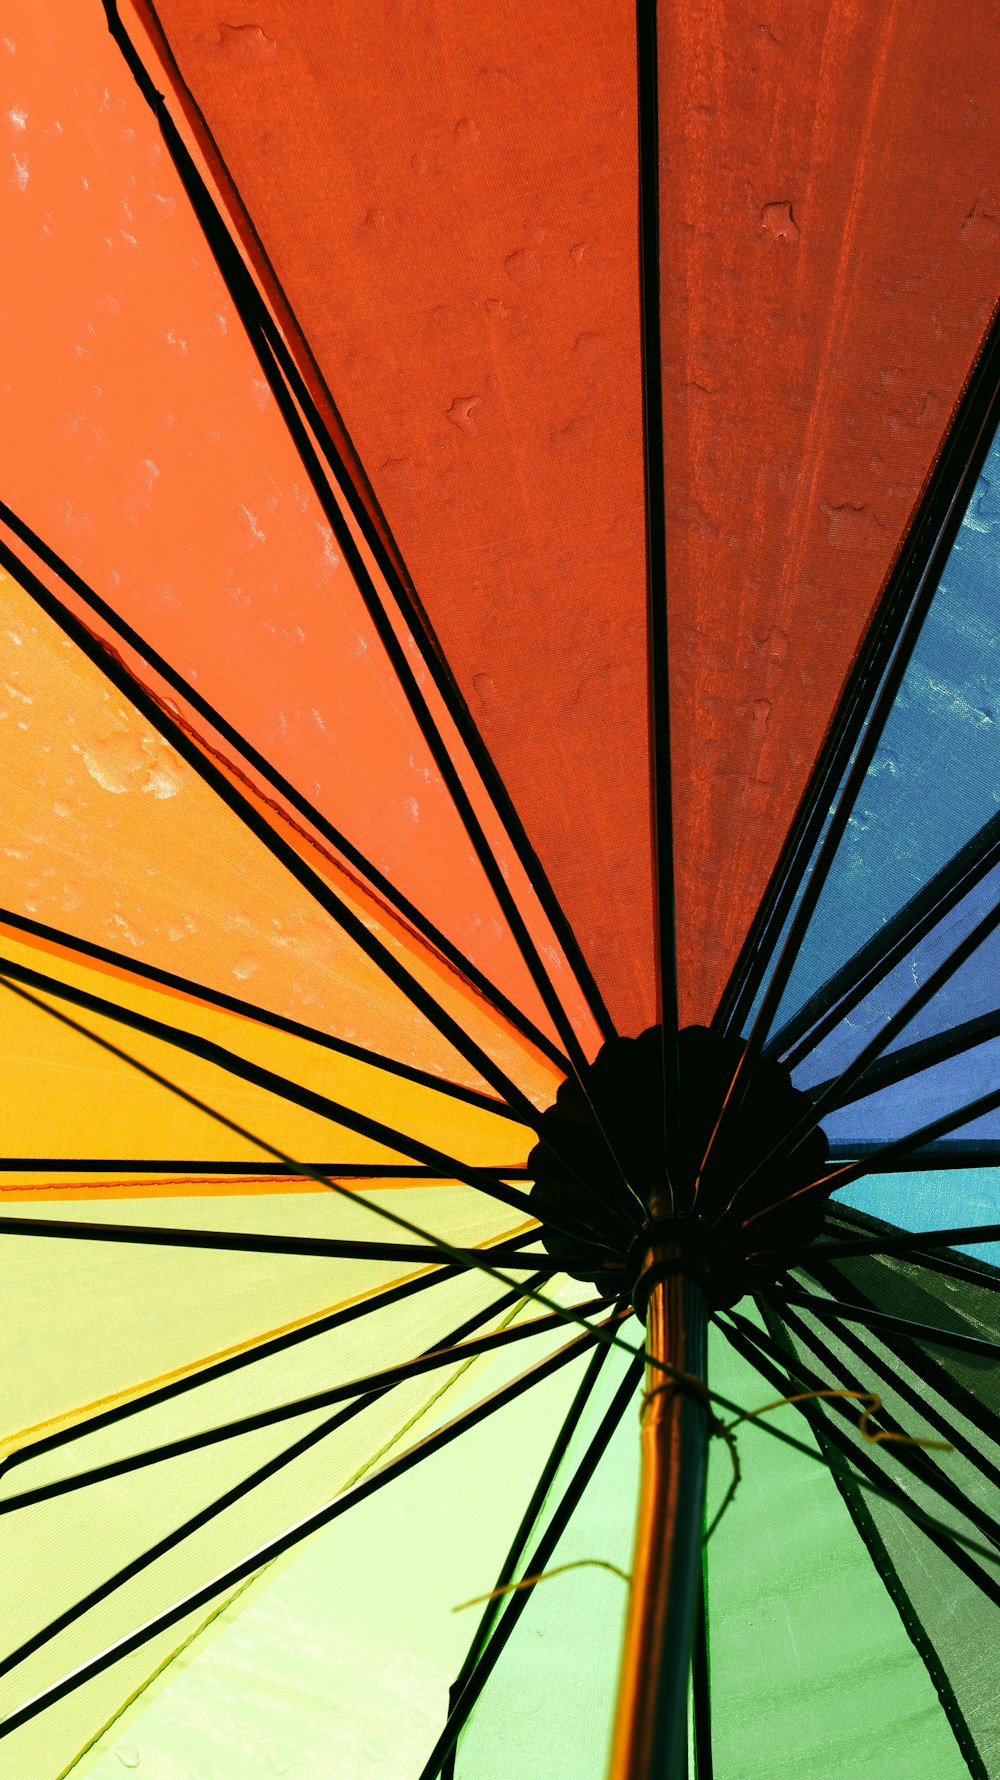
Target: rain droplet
462, 413
777, 220
524, 267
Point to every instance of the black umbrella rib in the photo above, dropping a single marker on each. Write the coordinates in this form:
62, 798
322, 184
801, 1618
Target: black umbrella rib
656, 557
922, 1246
207, 1050
841, 1090
954, 1267
254, 1169
234, 1362
859, 1472
867, 699
912, 1354
926, 1367
835, 1310
213, 1509
294, 397
376, 1382
462, 1259
872, 1159
262, 335
905, 1242
207, 770
701, 1700
261, 1016
955, 1546
828, 1430
870, 1533
914, 1459
483, 1180
286, 1541
255, 1243
333, 835
825, 1009
518, 1601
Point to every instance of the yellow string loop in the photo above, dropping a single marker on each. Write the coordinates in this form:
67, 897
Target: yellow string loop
695, 1387
510, 1588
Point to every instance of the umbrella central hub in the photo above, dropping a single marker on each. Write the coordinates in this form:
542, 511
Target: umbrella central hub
739, 1189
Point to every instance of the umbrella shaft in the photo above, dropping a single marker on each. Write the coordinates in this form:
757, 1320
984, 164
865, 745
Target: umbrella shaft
651, 1727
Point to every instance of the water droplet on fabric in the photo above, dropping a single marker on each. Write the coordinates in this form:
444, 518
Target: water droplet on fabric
524, 267
778, 222
462, 413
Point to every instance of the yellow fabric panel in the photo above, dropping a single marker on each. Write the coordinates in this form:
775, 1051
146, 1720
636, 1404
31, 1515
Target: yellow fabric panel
63, 1095
461, 1131
107, 834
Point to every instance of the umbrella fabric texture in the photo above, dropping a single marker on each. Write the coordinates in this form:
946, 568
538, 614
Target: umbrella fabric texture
499, 532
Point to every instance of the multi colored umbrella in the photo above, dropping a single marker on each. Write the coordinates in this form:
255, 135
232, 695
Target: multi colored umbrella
499, 542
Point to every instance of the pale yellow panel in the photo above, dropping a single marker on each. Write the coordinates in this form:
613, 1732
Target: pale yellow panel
76, 1541
86, 1320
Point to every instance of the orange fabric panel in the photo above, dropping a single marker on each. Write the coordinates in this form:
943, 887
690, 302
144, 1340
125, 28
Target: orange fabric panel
107, 835
140, 441
447, 196
830, 247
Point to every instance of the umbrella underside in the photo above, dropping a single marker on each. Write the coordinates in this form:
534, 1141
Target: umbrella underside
386, 973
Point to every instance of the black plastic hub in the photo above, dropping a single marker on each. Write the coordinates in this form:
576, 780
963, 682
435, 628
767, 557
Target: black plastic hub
600, 1169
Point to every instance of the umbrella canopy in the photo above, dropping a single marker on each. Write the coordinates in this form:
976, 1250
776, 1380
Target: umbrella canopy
499, 537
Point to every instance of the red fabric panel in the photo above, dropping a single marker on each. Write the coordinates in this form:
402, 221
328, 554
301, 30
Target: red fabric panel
447, 195
830, 210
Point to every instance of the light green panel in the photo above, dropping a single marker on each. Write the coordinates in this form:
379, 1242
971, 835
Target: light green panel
813, 1674
338, 1664
547, 1709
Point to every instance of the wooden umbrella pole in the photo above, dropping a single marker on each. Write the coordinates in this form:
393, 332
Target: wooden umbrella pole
650, 1740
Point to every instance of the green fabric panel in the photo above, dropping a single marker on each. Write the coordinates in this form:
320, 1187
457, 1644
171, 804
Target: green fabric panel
547, 1708
813, 1674
931, 1390
336, 1665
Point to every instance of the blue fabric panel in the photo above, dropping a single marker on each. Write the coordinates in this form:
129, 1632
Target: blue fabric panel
905, 1106
935, 777
973, 989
